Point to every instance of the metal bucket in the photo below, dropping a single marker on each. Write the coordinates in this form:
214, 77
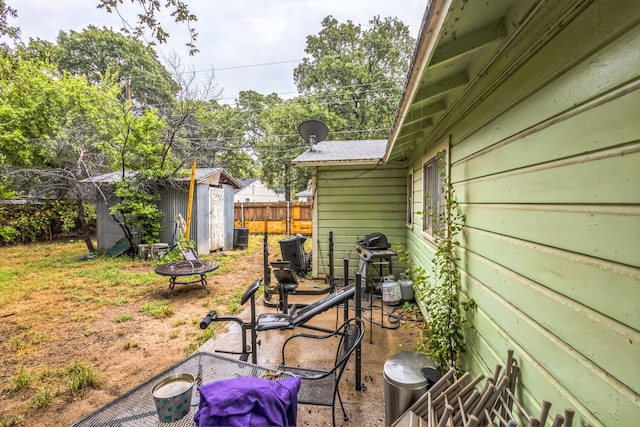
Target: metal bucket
172, 396
404, 382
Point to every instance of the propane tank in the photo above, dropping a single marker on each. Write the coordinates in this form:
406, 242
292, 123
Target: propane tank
391, 293
406, 287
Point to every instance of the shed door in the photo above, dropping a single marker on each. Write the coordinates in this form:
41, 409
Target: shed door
216, 218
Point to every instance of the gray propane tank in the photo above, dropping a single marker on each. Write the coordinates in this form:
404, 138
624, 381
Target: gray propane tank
406, 287
391, 293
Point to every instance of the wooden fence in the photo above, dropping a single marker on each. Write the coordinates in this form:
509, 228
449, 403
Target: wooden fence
274, 217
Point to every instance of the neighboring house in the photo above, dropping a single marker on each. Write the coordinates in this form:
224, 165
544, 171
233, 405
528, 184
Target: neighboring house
532, 109
211, 213
304, 196
253, 190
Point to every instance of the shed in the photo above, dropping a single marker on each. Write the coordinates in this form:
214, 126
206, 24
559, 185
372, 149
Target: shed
211, 217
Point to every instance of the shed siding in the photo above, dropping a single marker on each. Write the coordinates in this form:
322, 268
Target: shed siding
353, 201
172, 202
547, 170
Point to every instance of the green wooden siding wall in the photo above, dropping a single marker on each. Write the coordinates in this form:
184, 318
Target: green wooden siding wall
547, 170
353, 201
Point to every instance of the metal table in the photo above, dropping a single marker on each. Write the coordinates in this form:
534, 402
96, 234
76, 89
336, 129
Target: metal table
185, 267
137, 408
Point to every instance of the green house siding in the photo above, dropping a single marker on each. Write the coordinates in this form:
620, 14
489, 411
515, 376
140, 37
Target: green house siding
545, 160
353, 201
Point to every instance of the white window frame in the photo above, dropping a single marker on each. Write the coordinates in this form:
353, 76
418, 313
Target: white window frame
432, 181
410, 211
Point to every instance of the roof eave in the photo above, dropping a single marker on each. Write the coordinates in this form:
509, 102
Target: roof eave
431, 26
337, 162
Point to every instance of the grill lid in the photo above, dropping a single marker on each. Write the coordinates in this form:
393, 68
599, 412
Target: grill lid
375, 241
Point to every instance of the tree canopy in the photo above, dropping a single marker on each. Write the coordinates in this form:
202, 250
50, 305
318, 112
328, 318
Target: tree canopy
357, 73
98, 101
98, 52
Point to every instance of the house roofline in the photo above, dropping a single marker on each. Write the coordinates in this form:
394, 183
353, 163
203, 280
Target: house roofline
432, 23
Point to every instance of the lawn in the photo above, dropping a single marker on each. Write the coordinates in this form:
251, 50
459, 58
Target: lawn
76, 334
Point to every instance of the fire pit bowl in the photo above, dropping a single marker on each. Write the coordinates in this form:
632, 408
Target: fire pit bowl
172, 395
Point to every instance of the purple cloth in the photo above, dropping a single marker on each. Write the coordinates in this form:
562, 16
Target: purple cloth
248, 401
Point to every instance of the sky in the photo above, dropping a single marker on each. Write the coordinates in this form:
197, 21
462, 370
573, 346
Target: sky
250, 44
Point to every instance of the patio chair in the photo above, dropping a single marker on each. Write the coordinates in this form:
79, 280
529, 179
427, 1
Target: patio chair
321, 386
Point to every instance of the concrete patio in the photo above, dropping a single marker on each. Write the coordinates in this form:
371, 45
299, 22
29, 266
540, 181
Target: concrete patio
364, 408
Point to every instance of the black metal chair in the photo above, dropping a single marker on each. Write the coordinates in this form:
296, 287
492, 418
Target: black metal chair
321, 386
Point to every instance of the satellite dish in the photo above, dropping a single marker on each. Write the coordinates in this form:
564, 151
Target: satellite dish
313, 131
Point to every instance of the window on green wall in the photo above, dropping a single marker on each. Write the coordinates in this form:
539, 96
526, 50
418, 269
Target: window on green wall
433, 174
410, 199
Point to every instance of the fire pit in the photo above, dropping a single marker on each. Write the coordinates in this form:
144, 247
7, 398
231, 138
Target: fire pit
183, 268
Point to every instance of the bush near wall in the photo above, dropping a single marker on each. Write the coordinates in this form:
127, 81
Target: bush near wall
26, 222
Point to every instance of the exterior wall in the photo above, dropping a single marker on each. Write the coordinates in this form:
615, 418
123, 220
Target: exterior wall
173, 202
547, 170
353, 201
108, 232
256, 192
228, 217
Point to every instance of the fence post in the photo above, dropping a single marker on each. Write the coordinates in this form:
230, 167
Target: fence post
288, 218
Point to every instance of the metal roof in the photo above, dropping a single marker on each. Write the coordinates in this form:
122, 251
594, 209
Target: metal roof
358, 152
203, 175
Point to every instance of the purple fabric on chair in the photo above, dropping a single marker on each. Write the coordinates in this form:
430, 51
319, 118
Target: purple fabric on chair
248, 401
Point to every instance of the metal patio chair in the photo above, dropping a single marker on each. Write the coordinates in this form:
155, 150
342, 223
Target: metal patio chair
321, 386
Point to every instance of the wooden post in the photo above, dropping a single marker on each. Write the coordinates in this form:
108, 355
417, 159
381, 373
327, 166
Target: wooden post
190, 201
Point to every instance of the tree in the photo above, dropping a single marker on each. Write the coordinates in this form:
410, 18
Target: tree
58, 130
147, 19
51, 133
222, 140
96, 52
6, 29
358, 74
283, 142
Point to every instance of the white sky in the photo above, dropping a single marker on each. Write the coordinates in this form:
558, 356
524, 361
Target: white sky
235, 34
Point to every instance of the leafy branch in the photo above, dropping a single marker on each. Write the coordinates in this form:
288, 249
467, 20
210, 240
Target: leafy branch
438, 291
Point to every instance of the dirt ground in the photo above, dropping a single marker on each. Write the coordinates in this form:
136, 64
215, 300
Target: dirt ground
126, 354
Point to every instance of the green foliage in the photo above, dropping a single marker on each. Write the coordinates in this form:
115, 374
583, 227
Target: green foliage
157, 309
81, 376
23, 380
97, 52
357, 73
137, 211
439, 291
38, 222
178, 10
11, 421
276, 154
123, 318
43, 397
6, 29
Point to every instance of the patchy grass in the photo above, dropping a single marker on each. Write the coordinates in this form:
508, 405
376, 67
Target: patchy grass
123, 318
157, 309
58, 309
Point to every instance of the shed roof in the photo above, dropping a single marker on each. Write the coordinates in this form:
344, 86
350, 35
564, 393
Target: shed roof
212, 176
326, 153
